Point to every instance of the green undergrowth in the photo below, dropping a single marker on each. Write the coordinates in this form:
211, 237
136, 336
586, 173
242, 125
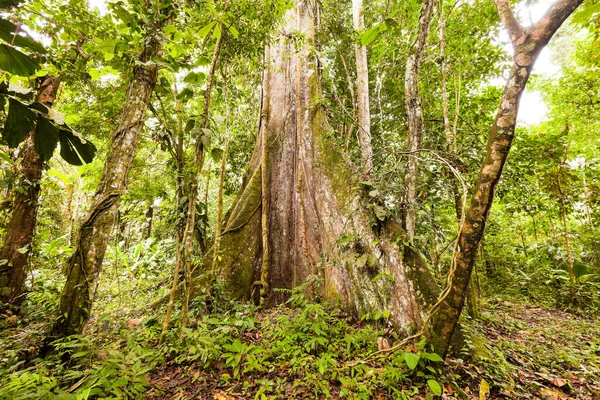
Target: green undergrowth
301, 349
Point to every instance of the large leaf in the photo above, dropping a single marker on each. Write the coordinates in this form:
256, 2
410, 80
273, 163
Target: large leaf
20, 121
46, 138
15, 62
435, 387
411, 359
579, 270
8, 32
74, 149
369, 35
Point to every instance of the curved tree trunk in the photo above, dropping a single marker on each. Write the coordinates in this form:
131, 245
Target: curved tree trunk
19, 233
94, 232
527, 44
318, 220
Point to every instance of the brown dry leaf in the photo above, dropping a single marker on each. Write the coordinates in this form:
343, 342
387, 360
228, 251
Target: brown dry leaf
382, 343
551, 394
558, 382
222, 396
133, 323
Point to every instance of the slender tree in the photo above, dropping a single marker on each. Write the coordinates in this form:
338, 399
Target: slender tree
414, 115
17, 244
527, 44
93, 234
362, 91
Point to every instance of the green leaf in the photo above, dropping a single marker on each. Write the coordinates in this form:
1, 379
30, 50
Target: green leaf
217, 32
234, 32
369, 35
579, 270
20, 121
216, 154
46, 138
7, 32
94, 73
206, 30
185, 94
107, 47
432, 357
380, 212
169, 29
23, 249
74, 149
411, 360
15, 62
435, 387
119, 382
189, 125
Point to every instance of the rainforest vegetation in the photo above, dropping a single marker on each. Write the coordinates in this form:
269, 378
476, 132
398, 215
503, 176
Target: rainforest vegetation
299, 199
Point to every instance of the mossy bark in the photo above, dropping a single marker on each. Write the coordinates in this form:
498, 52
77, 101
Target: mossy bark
93, 235
527, 43
17, 244
315, 200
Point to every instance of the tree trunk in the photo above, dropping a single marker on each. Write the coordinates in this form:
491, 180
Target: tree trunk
362, 88
219, 222
190, 223
148, 223
565, 221
93, 234
414, 115
19, 233
527, 44
318, 221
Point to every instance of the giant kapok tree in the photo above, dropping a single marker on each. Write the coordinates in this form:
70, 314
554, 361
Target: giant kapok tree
303, 211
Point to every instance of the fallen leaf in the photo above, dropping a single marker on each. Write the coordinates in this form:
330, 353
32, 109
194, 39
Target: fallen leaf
484, 389
558, 382
133, 323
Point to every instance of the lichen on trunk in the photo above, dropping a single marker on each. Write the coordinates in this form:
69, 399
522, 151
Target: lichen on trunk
93, 235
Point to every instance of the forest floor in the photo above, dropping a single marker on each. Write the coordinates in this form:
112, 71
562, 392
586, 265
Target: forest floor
531, 352
515, 350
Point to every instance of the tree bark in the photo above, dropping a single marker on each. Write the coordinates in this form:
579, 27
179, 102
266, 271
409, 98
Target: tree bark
93, 235
362, 89
414, 115
319, 223
527, 44
565, 221
19, 233
193, 187
219, 222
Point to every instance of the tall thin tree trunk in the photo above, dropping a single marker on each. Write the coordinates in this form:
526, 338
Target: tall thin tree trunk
362, 89
565, 221
219, 222
449, 135
414, 115
17, 244
94, 232
527, 44
190, 226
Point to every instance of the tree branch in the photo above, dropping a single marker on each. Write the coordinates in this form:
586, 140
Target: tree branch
545, 28
505, 12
